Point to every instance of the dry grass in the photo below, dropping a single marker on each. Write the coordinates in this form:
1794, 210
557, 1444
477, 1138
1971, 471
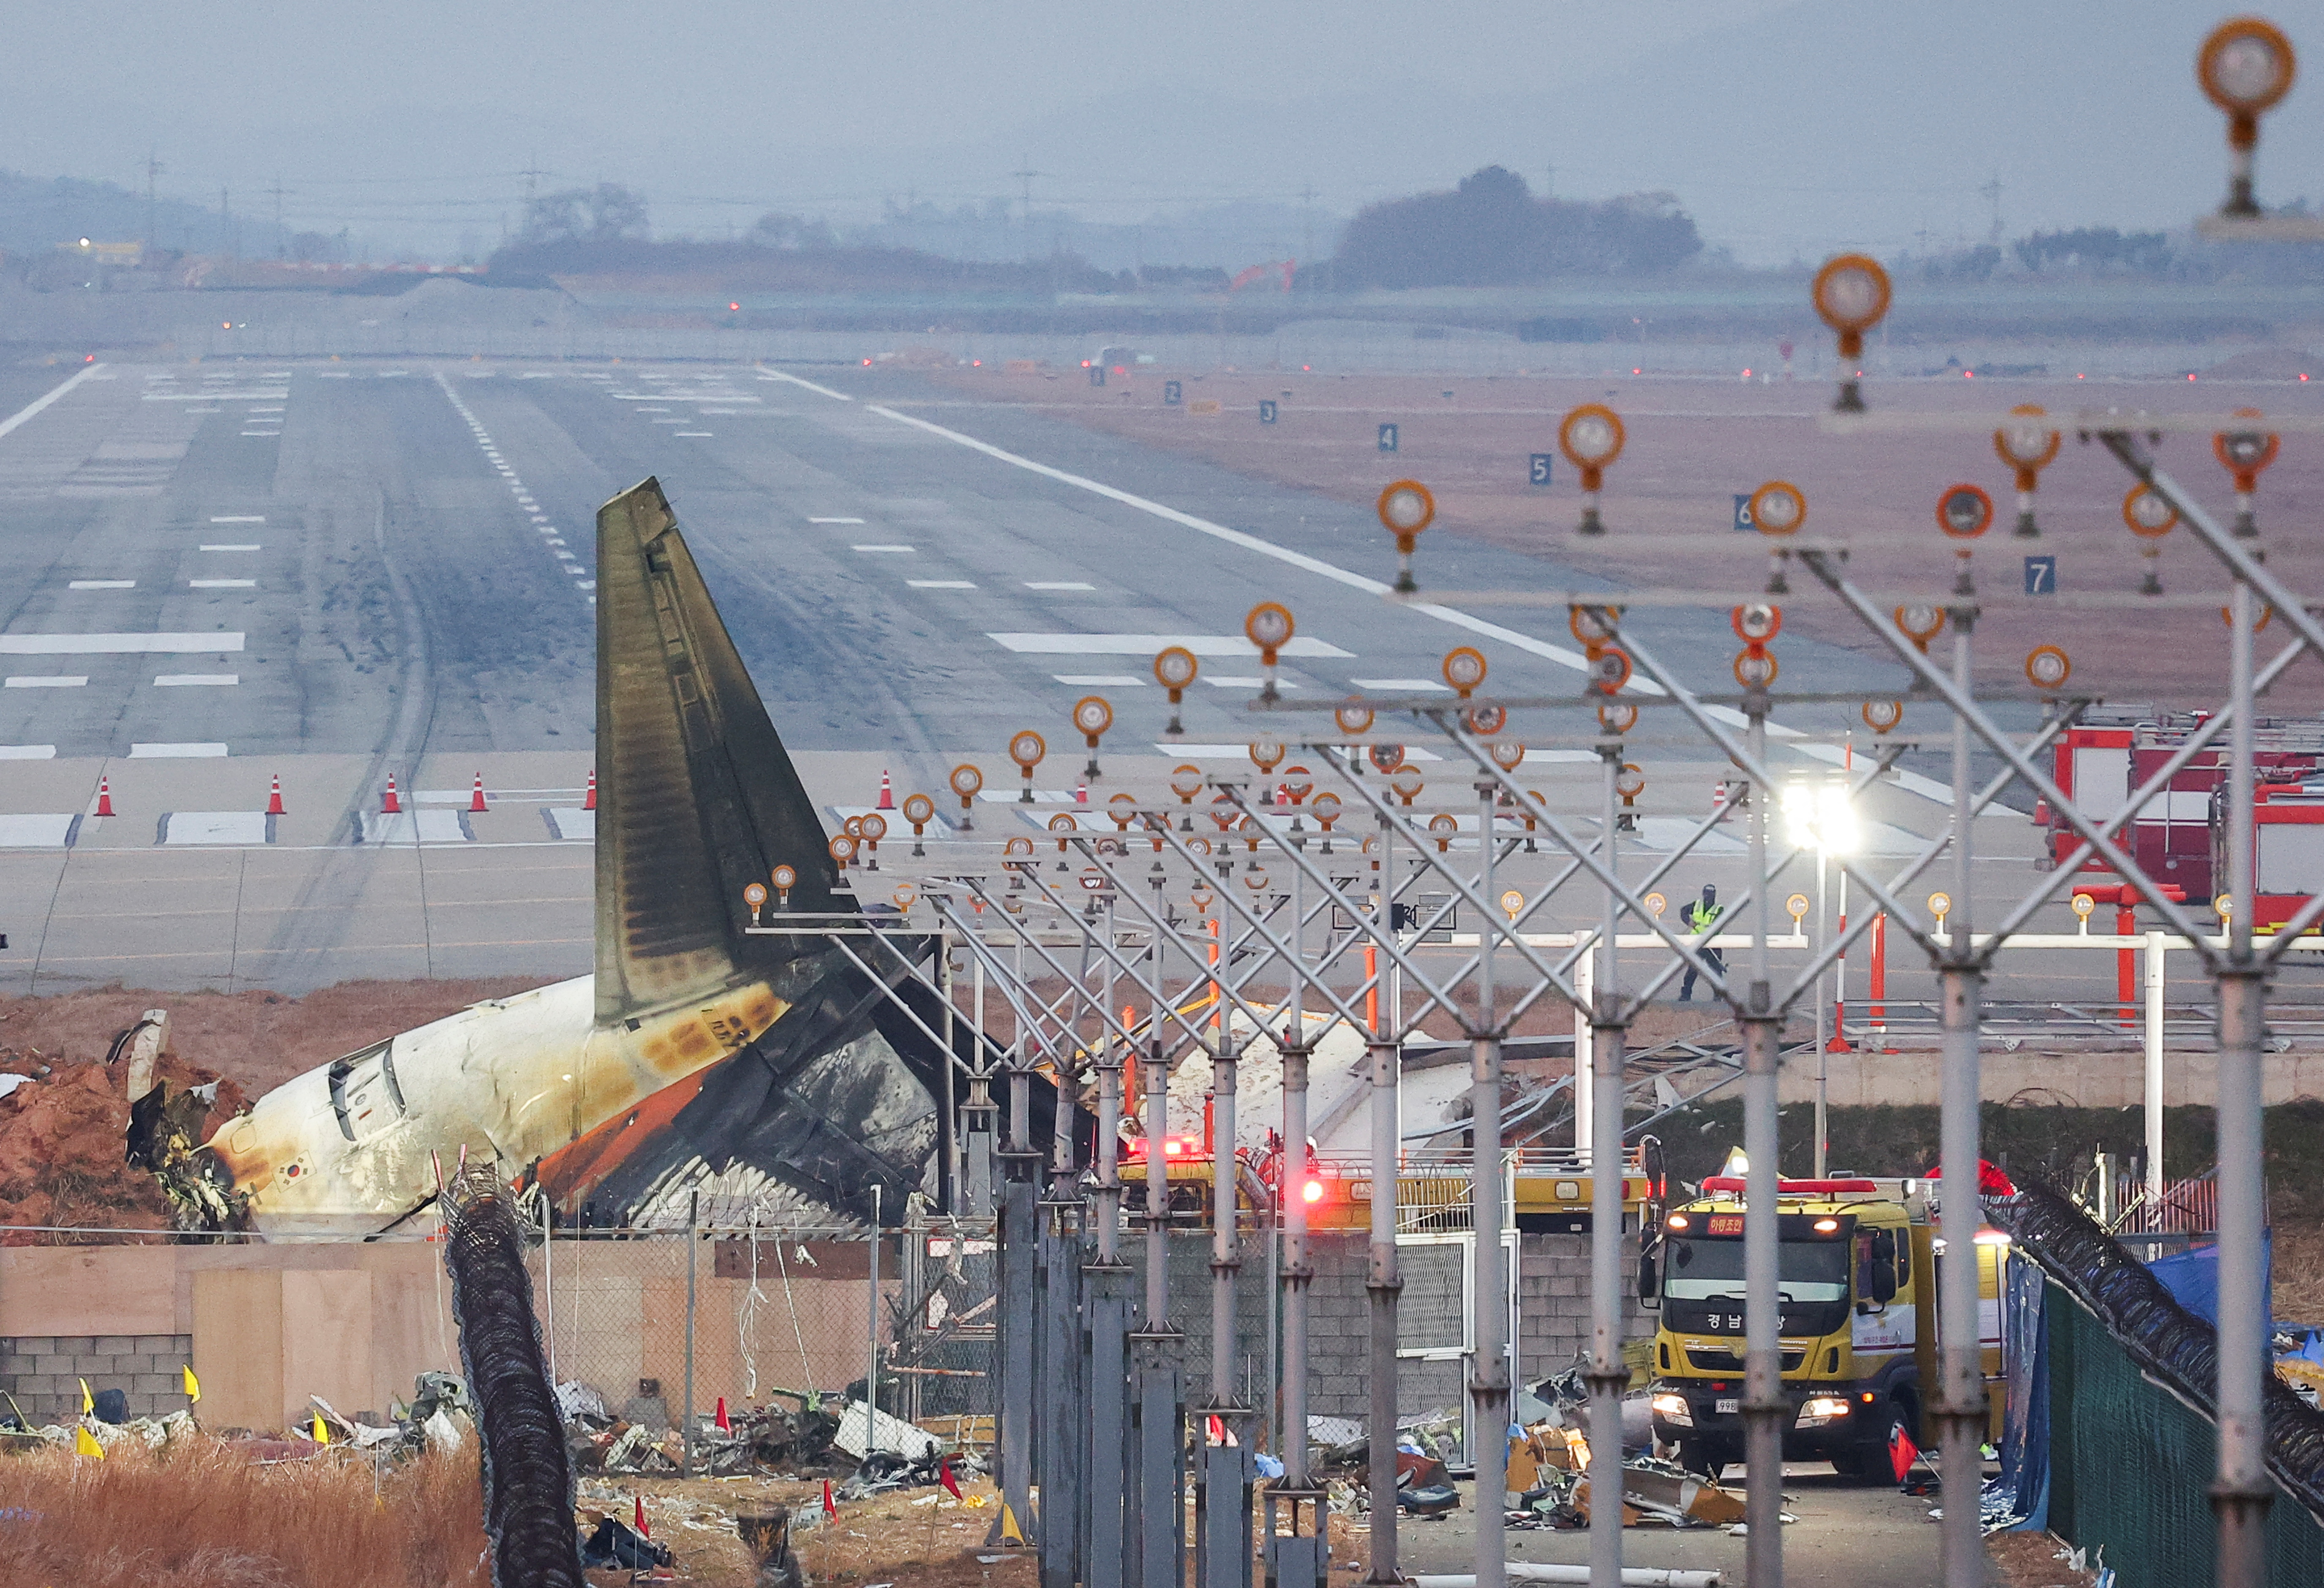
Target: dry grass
205, 1516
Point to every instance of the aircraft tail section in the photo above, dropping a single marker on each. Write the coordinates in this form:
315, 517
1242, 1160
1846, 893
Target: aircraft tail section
696, 796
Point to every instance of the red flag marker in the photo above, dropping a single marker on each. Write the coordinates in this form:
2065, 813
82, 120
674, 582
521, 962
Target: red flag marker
643, 1530
944, 1476
1901, 1453
829, 1510
725, 1427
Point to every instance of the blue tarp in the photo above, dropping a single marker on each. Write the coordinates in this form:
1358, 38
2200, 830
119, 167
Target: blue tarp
2192, 1278
2020, 1497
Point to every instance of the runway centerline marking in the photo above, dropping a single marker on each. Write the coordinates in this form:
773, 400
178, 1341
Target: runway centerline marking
171, 680
102, 585
175, 752
240, 517
46, 681
901, 548
222, 584
1101, 680
235, 546
835, 521
1057, 585
941, 584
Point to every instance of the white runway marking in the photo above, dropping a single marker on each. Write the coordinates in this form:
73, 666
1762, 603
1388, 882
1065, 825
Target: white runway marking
1057, 585
835, 521
774, 374
233, 545
1148, 644
175, 752
1911, 783
102, 585
171, 681
38, 403
222, 584
245, 518
699, 435
47, 682
941, 584
1101, 680
904, 549
117, 644
28, 753
36, 832
1401, 685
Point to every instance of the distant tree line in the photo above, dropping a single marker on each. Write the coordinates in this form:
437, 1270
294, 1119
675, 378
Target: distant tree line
1492, 231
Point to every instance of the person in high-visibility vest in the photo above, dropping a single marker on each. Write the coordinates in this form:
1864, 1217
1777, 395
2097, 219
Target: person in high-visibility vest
1697, 918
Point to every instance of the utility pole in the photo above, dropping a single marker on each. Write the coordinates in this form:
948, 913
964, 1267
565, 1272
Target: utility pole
1025, 177
1992, 191
152, 171
281, 250
225, 225
532, 173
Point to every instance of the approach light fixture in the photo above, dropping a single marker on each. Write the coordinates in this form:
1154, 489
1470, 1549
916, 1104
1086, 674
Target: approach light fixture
1405, 508
2246, 65
1851, 295
1592, 439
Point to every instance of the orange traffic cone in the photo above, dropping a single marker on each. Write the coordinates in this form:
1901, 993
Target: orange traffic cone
104, 797
476, 800
389, 804
589, 800
274, 796
887, 792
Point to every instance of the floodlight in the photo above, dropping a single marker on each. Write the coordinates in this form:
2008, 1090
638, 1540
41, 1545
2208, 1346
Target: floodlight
1407, 783
1093, 715
1353, 717
1921, 622
1883, 716
1026, 749
1755, 668
1507, 754
1265, 753
1386, 758
2150, 518
1442, 827
1965, 511
2028, 447
1594, 625
1513, 905
1616, 718
965, 781
1269, 627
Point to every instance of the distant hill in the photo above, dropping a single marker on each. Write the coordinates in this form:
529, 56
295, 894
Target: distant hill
36, 214
755, 267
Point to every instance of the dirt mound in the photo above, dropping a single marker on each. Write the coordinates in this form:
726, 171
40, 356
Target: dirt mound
62, 1149
63, 1145
2267, 364
257, 1039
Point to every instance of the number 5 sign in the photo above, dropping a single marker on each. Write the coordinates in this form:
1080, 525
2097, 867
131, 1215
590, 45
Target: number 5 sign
1537, 469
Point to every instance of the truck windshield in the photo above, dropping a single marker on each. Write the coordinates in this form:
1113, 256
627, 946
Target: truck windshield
1699, 1269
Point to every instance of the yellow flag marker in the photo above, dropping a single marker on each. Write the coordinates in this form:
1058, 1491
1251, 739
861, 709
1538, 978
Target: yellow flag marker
193, 1385
1010, 1533
87, 1401
85, 1444
322, 1433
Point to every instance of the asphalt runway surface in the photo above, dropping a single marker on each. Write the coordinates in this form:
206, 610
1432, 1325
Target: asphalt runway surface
219, 573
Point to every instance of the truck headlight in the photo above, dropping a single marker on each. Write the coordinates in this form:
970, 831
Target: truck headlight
1821, 1409
1673, 1408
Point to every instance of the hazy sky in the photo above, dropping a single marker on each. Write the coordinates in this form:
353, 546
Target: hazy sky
1786, 127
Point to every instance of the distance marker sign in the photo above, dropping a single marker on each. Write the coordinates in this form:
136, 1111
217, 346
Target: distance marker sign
2042, 576
1387, 437
1266, 411
1537, 467
1172, 393
1743, 511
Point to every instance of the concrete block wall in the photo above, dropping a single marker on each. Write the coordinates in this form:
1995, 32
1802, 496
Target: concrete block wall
44, 1372
1553, 1316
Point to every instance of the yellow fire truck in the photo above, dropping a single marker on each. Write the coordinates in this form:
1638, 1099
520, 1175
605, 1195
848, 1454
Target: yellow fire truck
1859, 1330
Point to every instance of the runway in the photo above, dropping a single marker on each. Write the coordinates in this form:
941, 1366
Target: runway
219, 573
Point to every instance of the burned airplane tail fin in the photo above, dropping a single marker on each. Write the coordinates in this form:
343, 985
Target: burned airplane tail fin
696, 796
